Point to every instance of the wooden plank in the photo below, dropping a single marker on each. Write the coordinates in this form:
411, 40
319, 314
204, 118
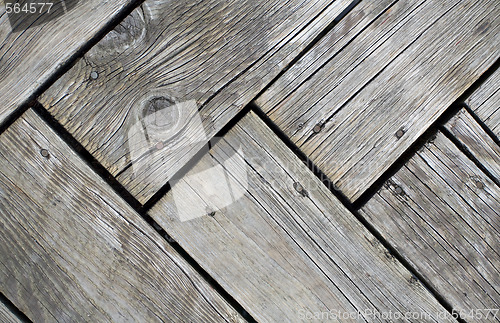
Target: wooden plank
484, 102
396, 77
6, 316
31, 52
199, 62
476, 141
72, 250
278, 240
441, 213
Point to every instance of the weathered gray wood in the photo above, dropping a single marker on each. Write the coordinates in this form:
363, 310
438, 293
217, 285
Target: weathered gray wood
485, 102
473, 138
280, 250
213, 55
6, 316
400, 73
72, 250
441, 213
28, 58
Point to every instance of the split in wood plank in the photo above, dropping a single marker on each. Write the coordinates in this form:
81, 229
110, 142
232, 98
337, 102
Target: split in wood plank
441, 214
195, 63
31, 52
72, 250
259, 222
476, 141
485, 102
375, 95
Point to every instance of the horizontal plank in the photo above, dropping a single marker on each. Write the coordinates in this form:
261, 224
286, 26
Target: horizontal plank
34, 47
72, 250
191, 65
255, 217
377, 94
7, 316
484, 102
476, 141
441, 214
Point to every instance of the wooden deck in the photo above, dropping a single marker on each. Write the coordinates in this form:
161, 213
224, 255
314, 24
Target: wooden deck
276, 161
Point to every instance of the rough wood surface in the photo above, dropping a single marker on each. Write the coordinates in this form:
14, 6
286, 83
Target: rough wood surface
166, 56
72, 250
476, 141
400, 73
280, 242
485, 102
441, 213
6, 316
28, 58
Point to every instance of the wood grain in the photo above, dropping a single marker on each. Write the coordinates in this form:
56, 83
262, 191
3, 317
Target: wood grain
214, 55
6, 316
485, 102
30, 56
273, 236
400, 73
72, 250
441, 213
476, 141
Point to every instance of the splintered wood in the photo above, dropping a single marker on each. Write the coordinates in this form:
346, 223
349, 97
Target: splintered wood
261, 224
361, 104
72, 250
441, 214
168, 60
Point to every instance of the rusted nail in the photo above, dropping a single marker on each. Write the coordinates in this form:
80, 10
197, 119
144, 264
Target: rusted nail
400, 133
399, 190
94, 75
317, 128
44, 153
159, 145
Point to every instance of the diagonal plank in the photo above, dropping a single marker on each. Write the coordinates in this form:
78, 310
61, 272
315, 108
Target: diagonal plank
372, 99
476, 141
485, 102
196, 62
441, 213
72, 250
6, 315
31, 52
277, 239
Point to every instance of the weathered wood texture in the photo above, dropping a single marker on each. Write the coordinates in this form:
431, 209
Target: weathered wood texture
6, 316
400, 73
485, 102
28, 58
280, 243
214, 56
72, 250
441, 213
476, 141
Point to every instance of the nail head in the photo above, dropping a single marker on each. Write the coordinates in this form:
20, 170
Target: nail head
44, 153
317, 128
399, 190
400, 133
479, 185
94, 75
159, 145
